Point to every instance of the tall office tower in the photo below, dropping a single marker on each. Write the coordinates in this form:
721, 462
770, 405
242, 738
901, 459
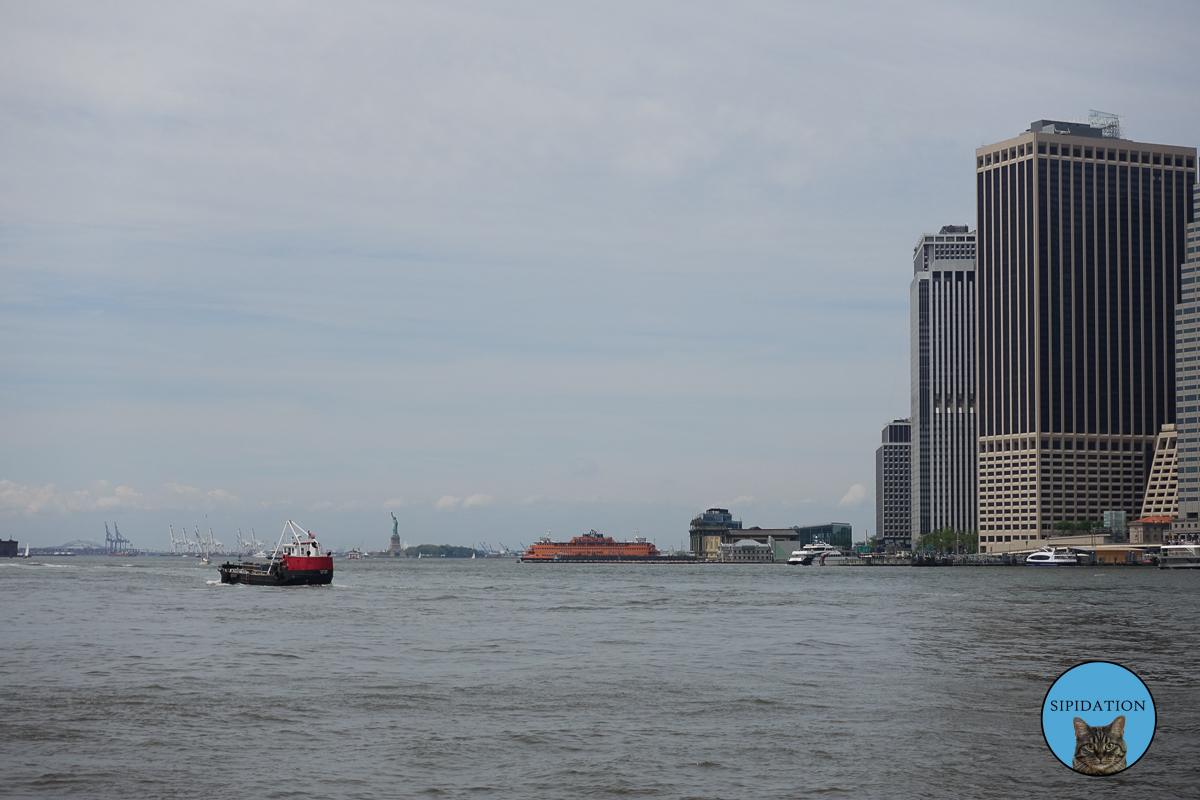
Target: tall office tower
1187, 379
942, 314
1080, 237
893, 468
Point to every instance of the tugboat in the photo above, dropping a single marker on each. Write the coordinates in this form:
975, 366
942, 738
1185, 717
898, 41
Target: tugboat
301, 564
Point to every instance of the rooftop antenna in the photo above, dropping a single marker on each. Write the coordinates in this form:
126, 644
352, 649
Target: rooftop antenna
1109, 124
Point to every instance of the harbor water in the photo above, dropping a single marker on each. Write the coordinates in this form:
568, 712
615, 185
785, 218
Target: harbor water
144, 677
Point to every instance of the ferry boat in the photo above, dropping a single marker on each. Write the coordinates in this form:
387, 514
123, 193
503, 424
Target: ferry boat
818, 554
1180, 552
300, 564
1052, 557
591, 547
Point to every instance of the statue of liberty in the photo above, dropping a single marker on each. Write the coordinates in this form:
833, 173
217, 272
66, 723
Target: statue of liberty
395, 549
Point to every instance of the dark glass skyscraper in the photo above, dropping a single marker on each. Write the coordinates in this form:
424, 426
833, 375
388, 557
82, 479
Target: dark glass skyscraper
1080, 238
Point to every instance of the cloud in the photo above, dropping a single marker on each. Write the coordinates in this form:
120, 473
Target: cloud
329, 505
855, 496
743, 500
123, 497
31, 500
28, 499
448, 501
181, 490
395, 502
533, 498
477, 500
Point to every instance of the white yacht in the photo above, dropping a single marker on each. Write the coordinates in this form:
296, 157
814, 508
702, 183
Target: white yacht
1052, 557
1179, 554
817, 554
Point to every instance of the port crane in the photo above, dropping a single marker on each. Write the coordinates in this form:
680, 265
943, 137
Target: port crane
114, 544
178, 546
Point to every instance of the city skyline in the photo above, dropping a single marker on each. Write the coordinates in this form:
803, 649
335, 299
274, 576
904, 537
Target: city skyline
496, 270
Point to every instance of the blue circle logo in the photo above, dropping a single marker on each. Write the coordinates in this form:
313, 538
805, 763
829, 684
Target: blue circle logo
1098, 718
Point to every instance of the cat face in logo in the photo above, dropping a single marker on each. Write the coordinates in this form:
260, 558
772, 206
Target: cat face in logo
1099, 750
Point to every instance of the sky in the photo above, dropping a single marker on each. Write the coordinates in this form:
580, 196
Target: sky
497, 268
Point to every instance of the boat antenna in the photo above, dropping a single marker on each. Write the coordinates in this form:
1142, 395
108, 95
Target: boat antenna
280, 542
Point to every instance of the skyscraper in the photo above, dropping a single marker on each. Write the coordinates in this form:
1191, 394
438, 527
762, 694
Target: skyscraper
892, 490
942, 314
1080, 237
1187, 375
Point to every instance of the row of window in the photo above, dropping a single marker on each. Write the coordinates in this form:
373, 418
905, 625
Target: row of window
1079, 151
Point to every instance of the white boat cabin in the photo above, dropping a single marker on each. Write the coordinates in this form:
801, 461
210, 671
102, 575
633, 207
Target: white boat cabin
302, 548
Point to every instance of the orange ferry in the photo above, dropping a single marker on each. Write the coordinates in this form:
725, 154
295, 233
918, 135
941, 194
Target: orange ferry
591, 547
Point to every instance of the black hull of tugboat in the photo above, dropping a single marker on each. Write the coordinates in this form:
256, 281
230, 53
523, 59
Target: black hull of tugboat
241, 573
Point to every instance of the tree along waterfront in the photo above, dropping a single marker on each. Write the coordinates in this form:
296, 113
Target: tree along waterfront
950, 540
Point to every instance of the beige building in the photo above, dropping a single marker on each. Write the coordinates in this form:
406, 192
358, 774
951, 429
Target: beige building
746, 551
1162, 488
1149, 530
1080, 237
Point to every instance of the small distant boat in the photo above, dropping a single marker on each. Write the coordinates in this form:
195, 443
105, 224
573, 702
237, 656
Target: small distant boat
1052, 557
301, 564
818, 554
26, 552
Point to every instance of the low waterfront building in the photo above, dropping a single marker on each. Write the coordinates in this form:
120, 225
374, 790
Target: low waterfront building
1149, 530
1162, 493
709, 530
1097, 537
716, 527
837, 534
1117, 555
782, 540
746, 551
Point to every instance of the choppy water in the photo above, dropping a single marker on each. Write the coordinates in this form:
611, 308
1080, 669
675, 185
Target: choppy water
434, 678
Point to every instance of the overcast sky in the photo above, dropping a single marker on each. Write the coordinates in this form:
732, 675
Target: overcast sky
497, 267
